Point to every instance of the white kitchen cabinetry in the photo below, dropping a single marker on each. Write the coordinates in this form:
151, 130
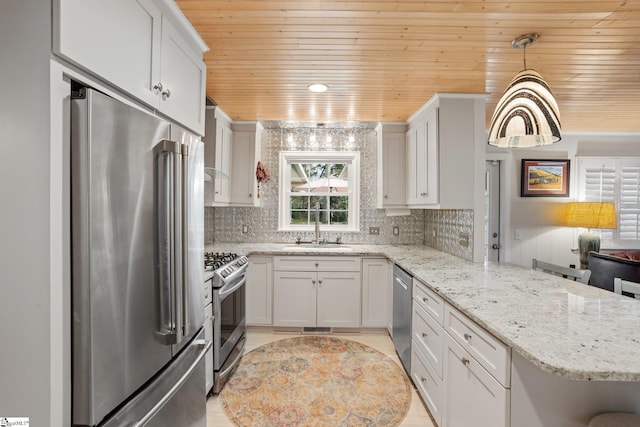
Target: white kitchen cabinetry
316, 291
446, 151
246, 151
259, 291
391, 166
476, 374
218, 140
375, 292
471, 395
422, 160
145, 47
427, 342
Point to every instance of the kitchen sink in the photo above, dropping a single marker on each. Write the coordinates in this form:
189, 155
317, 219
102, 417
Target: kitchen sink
315, 247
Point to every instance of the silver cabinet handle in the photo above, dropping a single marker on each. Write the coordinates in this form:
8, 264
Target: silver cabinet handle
313, 282
320, 282
166, 94
465, 361
467, 337
317, 265
157, 88
423, 379
424, 335
424, 299
385, 196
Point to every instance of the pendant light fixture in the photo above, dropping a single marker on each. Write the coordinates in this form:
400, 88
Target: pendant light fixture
527, 114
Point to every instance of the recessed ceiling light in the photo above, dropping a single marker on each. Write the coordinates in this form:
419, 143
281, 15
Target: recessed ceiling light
318, 87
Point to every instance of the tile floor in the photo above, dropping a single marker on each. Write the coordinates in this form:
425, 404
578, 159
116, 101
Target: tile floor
379, 339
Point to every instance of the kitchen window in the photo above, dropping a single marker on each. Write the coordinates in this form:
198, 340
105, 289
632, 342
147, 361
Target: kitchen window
614, 180
326, 183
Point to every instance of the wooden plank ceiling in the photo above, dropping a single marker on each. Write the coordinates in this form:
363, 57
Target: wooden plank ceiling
383, 59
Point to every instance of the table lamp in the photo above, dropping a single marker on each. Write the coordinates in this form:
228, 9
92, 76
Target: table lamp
590, 215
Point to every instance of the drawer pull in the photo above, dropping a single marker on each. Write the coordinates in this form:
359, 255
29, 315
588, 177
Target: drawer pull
424, 299
467, 337
423, 379
465, 361
317, 265
313, 282
320, 282
424, 335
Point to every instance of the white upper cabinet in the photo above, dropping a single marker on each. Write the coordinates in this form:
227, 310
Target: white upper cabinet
446, 151
391, 162
218, 140
145, 47
422, 160
246, 149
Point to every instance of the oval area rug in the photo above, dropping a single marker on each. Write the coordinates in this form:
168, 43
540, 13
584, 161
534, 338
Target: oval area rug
316, 381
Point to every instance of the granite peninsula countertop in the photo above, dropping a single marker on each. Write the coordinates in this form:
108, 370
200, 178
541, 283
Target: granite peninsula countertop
563, 327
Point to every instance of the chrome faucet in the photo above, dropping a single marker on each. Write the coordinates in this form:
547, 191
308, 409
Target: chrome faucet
318, 223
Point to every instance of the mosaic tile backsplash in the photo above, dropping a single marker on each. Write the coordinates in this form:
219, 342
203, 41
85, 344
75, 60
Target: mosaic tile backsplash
224, 224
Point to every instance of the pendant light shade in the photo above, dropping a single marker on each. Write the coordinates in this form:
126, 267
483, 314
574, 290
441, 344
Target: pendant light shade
527, 114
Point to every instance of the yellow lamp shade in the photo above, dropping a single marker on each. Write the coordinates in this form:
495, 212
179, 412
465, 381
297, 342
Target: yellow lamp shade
591, 215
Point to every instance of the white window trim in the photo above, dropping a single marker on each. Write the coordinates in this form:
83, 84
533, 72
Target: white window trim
349, 157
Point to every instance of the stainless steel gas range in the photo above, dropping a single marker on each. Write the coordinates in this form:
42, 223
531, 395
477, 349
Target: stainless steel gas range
229, 324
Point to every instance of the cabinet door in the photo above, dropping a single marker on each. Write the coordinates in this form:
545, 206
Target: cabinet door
222, 185
393, 171
338, 299
117, 40
422, 161
294, 298
182, 74
375, 282
472, 397
259, 290
243, 169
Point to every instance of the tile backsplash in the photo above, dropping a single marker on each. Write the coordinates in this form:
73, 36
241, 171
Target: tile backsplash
225, 224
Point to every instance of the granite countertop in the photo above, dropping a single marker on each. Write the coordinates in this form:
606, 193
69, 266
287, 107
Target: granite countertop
563, 327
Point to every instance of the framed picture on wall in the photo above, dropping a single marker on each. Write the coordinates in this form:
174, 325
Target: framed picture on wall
544, 178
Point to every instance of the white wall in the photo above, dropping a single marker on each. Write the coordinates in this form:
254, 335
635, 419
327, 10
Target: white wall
25, 43
537, 217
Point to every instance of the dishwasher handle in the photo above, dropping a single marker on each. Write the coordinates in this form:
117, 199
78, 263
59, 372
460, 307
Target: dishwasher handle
401, 283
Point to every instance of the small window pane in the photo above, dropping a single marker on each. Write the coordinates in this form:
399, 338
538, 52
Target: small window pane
339, 217
300, 202
299, 217
339, 202
323, 217
314, 200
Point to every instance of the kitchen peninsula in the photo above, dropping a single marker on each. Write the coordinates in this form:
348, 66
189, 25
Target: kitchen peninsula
575, 350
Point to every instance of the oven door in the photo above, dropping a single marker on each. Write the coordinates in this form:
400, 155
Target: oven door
229, 318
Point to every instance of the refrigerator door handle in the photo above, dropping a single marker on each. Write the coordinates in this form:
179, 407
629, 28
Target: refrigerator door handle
184, 241
167, 194
203, 347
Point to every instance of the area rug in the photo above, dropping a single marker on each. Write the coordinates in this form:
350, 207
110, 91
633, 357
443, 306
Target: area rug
316, 381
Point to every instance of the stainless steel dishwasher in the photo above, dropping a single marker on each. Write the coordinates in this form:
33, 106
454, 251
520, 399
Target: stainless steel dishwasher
402, 300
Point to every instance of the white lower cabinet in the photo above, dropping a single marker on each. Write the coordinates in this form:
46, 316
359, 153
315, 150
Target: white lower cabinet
375, 292
313, 291
325, 299
427, 382
259, 291
461, 371
472, 397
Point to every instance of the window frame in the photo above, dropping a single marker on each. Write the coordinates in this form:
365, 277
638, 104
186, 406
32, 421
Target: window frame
352, 158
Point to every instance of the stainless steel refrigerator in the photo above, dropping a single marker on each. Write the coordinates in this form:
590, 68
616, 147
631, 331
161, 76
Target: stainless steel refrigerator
137, 195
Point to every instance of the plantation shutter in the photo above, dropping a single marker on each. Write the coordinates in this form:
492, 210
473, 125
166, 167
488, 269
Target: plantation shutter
629, 208
618, 181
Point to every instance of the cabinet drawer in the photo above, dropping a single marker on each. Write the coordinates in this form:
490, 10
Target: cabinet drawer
316, 263
428, 300
429, 336
471, 396
481, 345
428, 383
